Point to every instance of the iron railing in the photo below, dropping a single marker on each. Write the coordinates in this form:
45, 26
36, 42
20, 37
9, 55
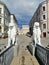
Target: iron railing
42, 54
6, 56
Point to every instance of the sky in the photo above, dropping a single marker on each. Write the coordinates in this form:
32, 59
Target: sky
22, 9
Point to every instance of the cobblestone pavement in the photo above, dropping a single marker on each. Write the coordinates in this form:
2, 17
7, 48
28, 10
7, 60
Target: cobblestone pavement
24, 57
3, 42
44, 41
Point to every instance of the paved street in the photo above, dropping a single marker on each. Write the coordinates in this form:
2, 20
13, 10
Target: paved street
24, 57
23, 41
44, 41
3, 42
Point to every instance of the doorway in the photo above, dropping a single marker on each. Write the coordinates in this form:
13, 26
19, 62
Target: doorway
44, 34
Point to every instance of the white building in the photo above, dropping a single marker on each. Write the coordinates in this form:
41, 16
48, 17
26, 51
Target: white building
13, 19
25, 29
20, 31
5, 18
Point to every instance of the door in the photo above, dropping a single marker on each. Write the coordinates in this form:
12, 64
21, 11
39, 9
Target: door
44, 34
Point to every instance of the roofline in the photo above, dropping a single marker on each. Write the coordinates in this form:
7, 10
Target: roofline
8, 10
37, 8
42, 3
4, 6
14, 18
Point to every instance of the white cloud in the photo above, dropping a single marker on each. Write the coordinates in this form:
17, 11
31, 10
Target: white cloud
22, 7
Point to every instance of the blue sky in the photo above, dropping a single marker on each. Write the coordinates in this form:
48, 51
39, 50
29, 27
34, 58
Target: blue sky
23, 9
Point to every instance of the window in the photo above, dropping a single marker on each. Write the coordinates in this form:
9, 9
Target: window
48, 32
44, 25
44, 17
0, 20
0, 10
43, 8
0, 28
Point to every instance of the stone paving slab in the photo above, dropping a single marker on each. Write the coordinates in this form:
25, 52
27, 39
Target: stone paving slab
24, 57
28, 59
18, 61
